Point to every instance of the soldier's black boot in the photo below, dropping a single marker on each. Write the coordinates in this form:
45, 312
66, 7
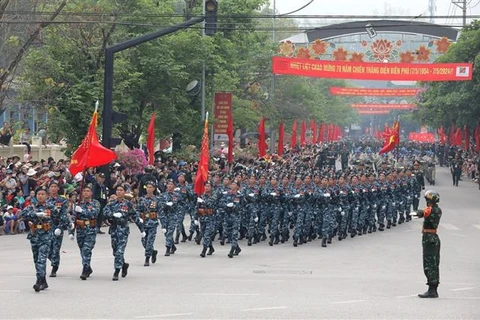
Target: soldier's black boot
340, 236
83, 276
431, 293
154, 256
115, 275
230, 254
147, 262
353, 233
211, 250
204, 251
389, 224
360, 232
381, 227
198, 238
53, 274
264, 237
37, 284
177, 238
295, 243
184, 236
44, 284
90, 271
173, 249
249, 241
167, 252
277, 239
237, 250
270, 243
222, 241
329, 240
190, 236
125, 269
324, 242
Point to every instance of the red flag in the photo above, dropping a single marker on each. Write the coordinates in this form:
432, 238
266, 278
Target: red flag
281, 136
392, 140
261, 139
303, 134
90, 153
467, 137
321, 133
477, 138
202, 171
451, 136
230, 139
330, 132
313, 128
441, 135
458, 137
151, 139
293, 139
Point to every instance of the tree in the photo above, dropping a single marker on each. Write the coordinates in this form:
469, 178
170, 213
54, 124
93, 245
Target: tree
444, 103
15, 41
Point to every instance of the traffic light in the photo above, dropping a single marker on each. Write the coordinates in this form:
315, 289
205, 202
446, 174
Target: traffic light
211, 8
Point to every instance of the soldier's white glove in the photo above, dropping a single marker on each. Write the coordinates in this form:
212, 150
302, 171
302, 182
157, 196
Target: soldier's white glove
199, 200
251, 195
169, 203
140, 219
340, 209
164, 230
374, 205
196, 222
383, 207
255, 219
342, 213
326, 195
273, 194
290, 213
57, 232
393, 203
413, 214
225, 192
230, 205
143, 234
72, 226
71, 237
117, 215
176, 189
297, 196
40, 214
78, 209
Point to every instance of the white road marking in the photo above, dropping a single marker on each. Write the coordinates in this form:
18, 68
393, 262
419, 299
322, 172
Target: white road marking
463, 289
350, 301
410, 296
164, 315
227, 294
477, 226
449, 226
9, 291
251, 280
263, 309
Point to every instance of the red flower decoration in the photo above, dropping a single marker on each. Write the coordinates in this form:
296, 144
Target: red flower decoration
356, 57
423, 54
407, 57
382, 49
443, 45
340, 54
364, 43
303, 53
319, 47
399, 43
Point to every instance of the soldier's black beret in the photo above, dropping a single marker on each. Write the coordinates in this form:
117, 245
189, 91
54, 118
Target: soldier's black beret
42, 188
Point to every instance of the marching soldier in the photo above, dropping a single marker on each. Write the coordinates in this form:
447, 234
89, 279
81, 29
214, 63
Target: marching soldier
119, 212
168, 217
86, 219
206, 205
430, 242
233, 202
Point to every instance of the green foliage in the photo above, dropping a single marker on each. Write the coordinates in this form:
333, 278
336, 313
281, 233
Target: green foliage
444, 103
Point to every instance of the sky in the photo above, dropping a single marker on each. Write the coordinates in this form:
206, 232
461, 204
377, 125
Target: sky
370, 7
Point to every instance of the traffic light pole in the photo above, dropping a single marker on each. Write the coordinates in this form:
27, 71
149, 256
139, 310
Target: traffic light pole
108, 79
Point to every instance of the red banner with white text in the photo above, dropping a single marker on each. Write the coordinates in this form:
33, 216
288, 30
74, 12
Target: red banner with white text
374, 92
222, 113
421, 137
372, 106
372, 112
372, 70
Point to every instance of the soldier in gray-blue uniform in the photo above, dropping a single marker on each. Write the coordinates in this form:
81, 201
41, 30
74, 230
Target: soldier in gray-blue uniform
186, 197
298, 205
356, 200
232, 203
86, 219
286, 208
148, 210
411, 182
59, 224
168, 216
252, 194
274, 196
383, 198
310, 204
375, 195
343, 193
38, 217
318, 206
206, 205
118, 212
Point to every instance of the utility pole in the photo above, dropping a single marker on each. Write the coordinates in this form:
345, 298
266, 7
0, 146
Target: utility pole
462, 4
432, 8
272, 133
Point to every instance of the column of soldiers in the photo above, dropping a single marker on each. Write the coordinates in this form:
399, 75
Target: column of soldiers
258, 203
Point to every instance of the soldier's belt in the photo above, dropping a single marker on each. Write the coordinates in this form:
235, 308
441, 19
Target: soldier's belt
204, 212
42, 226
429, 230
86, 223
151, 215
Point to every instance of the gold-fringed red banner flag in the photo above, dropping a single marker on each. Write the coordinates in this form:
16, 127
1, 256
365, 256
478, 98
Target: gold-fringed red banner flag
374, 92
372, 106
372, 70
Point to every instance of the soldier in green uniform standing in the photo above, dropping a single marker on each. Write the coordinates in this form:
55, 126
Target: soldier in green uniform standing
430, 242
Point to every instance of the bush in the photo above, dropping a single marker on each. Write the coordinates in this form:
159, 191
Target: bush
134, 160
